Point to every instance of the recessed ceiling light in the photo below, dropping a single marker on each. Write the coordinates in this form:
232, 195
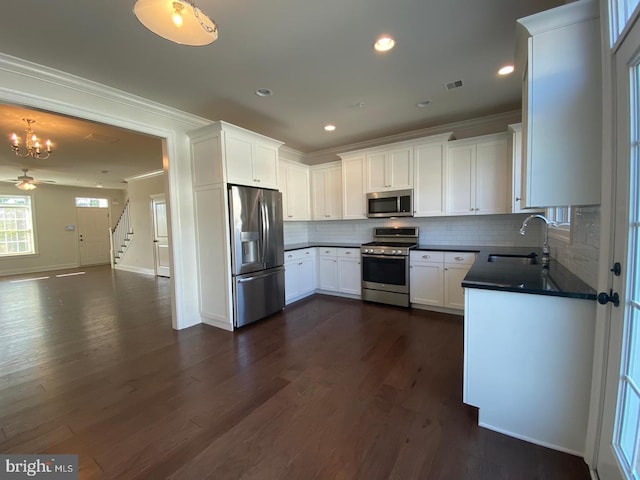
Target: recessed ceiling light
329, 127
384, 44
423, 104
506, 70
98, 185
264, 92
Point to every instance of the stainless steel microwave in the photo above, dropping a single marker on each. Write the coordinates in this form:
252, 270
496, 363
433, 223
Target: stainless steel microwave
397, 203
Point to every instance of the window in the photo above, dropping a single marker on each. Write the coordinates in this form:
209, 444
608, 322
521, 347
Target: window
16, 226
92, 202
620, 12
562, 217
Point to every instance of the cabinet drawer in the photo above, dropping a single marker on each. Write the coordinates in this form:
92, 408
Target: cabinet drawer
348, 252
298, 254
465, 258
428, 257
327, 251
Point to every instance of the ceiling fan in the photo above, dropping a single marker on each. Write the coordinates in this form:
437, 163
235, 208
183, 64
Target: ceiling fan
26, 182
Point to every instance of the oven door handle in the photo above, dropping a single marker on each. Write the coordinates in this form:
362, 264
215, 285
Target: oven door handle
385, 257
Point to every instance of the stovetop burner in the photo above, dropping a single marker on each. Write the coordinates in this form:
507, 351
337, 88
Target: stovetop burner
390, 244
392, 241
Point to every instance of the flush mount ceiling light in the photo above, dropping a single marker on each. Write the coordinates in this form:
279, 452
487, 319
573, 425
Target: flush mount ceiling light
329, 127
264, 92
506, 70
180, 21
32, 146
384, 44
423, 104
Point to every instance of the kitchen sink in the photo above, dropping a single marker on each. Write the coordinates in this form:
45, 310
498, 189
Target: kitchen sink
530, 259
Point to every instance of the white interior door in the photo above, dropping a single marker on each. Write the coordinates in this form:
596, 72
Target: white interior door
619, 450
93, 235
160, 235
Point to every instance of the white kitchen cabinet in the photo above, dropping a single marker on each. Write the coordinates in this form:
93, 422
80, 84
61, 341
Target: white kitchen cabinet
327, 269
436, 278
390, 169
558, 52
515, 153
250, 160
339, 270
478, 176
528, 365
326, 192
294, 185
299, 274
426, 278
429, 167
354, 205
349, 271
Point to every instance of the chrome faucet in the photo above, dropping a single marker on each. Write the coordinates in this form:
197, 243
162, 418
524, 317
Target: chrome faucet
545, 245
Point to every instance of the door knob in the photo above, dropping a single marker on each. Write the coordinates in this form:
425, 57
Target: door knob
604, 298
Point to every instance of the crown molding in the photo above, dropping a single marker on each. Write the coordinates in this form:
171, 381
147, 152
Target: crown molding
512, 116
144, 176
27, 69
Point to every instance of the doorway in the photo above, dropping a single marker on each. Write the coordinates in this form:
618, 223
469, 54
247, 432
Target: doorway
160, 235
93, 235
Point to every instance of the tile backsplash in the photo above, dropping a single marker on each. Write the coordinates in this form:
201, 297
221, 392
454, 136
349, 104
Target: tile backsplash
580, 255
498, 230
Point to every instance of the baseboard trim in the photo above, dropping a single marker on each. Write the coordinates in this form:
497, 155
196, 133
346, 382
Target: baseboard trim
128, 268
43, 268
531, 440
214, 322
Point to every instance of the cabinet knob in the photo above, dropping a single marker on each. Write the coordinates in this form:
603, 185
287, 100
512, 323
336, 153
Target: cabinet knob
426, 256
518, 199
471, 209
290, 216
307, 253
300, 263
347, 253
476, 209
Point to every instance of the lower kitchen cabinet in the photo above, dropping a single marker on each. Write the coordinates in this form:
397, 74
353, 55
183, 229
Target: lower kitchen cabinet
436, 278
299, 274
349, 271
339, 270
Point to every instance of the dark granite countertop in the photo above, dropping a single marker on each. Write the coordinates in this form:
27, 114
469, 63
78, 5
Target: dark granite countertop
299, 246
507, 277
522, 278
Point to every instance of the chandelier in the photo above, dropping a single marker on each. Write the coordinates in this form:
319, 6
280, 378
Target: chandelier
180, 21
32, 146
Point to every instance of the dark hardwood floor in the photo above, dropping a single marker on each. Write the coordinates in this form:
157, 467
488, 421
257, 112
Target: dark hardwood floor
329, 389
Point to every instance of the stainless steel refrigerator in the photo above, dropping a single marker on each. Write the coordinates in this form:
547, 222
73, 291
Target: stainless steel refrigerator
257, 253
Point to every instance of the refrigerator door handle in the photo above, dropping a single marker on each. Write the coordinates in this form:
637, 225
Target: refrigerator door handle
264, 223
257, 277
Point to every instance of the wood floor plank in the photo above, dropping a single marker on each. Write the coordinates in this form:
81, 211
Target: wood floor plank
330, 388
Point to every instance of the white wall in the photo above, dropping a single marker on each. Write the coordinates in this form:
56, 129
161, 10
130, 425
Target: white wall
54, 209
139, 254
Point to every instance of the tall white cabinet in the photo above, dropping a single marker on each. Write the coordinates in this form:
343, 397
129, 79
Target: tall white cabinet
559, 52
222, 153
294, 185
429, 173
326, 192
478, 174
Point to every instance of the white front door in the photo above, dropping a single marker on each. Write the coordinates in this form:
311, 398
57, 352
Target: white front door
160, 236
619, 450
93, 235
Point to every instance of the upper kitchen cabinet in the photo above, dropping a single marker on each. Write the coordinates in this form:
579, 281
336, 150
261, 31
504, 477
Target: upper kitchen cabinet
354, 204
222, 152
326, 192
429, 166
389, 169
558, 52
477, 176
294, 185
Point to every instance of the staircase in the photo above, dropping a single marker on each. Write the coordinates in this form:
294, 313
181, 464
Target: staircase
121, 235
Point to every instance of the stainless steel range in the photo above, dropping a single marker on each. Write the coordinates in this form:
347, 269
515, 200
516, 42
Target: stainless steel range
385, 265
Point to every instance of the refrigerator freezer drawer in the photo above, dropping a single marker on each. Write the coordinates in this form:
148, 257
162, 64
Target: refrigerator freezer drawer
258, 295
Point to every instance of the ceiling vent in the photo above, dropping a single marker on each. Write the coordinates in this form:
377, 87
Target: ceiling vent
453, 85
